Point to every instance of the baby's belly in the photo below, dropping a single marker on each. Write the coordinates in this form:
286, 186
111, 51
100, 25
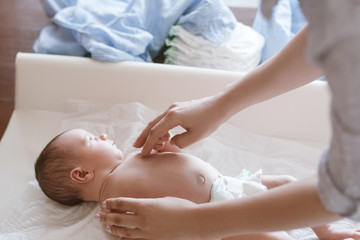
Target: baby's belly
176, 175
192, 185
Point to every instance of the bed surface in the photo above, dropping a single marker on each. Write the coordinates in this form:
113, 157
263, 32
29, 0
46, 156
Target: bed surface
44, 82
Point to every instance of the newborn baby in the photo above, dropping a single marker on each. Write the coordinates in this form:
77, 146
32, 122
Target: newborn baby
77, 166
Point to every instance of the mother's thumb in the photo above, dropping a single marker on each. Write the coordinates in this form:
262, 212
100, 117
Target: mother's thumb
184, 139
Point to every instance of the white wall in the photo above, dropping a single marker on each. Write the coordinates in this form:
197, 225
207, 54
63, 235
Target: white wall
242, 3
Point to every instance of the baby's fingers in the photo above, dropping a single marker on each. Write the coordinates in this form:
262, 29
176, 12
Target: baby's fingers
159, 146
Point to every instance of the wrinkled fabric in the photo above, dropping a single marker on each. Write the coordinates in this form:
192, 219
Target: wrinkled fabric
124, 30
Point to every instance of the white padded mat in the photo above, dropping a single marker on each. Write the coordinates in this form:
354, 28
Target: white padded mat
229, 149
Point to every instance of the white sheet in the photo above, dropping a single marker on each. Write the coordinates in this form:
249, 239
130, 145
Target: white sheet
229, 149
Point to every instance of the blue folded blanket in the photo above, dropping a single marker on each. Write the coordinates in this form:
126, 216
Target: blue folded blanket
286, 21
128, 30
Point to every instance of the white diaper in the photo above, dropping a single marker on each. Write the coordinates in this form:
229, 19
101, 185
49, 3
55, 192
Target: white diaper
246, 184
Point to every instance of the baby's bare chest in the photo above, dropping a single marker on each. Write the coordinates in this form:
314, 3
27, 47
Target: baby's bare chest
164, 175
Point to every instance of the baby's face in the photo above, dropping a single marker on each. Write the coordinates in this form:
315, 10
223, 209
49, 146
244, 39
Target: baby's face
95, 152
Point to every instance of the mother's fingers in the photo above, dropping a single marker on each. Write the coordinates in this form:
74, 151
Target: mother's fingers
120, 215
126, 220
139, 142
126, 233
160, 129
121, 204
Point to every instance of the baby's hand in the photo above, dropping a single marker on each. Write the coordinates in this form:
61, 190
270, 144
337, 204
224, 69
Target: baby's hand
164, 145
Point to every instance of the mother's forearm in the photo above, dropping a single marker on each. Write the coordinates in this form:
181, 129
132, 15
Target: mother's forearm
287, 70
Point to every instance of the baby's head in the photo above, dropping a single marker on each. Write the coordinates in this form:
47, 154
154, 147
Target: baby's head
72, 163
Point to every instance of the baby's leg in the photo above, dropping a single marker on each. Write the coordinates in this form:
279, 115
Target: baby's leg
272, 181
262, 236
329, 232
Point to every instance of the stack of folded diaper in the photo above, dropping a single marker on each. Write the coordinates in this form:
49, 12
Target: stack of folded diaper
240, 51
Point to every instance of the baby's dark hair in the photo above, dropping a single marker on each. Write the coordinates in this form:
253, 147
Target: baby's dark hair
52, 171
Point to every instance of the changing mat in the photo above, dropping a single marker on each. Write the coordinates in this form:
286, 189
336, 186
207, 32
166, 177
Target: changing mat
229, 149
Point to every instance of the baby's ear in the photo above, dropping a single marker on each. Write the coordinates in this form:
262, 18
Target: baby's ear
81, 175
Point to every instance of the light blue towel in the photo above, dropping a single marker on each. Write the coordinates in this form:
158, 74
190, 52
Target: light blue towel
128, 30
286, 20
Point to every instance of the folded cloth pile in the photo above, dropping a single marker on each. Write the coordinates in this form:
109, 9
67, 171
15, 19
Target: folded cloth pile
240, 51
128, 30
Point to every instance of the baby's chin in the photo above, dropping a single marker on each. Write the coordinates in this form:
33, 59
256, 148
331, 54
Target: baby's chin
121, 154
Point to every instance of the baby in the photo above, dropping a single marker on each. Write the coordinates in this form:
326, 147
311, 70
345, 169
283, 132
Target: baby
77, 166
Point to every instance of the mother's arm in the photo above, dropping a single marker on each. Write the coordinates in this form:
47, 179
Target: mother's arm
287, 70
290, 206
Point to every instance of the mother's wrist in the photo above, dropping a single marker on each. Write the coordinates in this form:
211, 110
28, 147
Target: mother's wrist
225, 106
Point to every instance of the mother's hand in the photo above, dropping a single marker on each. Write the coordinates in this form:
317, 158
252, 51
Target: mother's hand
161, 219
198, 117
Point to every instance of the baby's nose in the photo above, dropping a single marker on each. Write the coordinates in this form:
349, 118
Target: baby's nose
103, 137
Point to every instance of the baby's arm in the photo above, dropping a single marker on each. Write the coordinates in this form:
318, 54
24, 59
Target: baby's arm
164, 145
